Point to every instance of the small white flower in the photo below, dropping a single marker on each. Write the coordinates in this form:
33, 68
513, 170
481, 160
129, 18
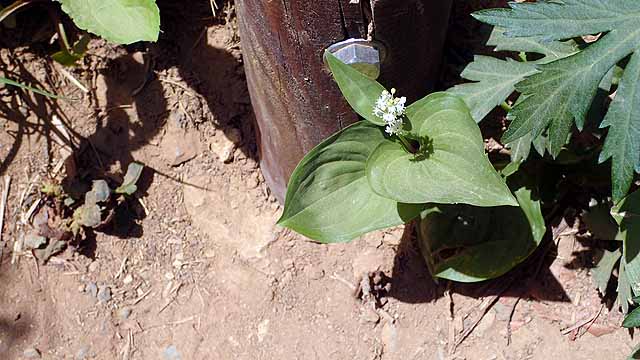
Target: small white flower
390, 109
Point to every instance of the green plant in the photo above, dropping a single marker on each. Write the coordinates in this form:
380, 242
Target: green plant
558, 91
72, 213
576, 77
118, 21
399, 162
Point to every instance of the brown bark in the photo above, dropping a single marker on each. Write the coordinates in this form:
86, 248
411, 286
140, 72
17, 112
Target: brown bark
296, 102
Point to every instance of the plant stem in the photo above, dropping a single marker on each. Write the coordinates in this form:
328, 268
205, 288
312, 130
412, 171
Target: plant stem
6, 12
407, 144
523, 56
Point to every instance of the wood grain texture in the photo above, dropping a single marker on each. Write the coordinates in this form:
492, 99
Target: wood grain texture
295, 101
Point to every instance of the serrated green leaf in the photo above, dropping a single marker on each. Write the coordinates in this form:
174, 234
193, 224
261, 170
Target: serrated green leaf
454, 168
6, 81
558, 20
564, 89
328, 197
623, 141
134, 171
469, 244
601, 274
600, 223
627, 215
360, 91
632, 320
119, 21
520, 148
552, 50
635, 353
495, 80
624, 288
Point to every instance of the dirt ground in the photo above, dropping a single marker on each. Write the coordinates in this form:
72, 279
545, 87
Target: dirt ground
202, 272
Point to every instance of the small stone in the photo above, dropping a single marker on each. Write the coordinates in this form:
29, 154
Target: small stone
124, 313
486, 323
91, 288
171, 353
263, 329
223, 148
104, 294
389, 337
314, 273
288, 264
370, 316
94, 266
169, 276
32, 353
179, 145
253, 181
34, 241
370, 260
83, 353
235, 136
128, 279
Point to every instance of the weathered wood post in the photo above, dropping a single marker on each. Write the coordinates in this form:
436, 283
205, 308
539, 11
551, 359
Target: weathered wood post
295, 101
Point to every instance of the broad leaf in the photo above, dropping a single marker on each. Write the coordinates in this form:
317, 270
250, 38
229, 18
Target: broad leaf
25, 87
360, 91
469, 244
602, 272
627, 215
563, 90
119, 21
623, 141
71, 56
328, 197
88, 215
100, 192
128, 187
452, 169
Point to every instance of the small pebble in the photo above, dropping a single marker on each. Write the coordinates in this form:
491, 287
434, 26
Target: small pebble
32, 353
128, 279
104, 294
91, 288
371, 316
124, 313
94, 266
171, 353
83, 353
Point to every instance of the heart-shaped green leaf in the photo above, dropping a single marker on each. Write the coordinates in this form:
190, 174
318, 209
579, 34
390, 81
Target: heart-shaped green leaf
469, 244
453, 169
329, 199
359, 91
119, 21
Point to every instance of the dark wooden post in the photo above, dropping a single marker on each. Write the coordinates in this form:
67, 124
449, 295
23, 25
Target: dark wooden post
296, 102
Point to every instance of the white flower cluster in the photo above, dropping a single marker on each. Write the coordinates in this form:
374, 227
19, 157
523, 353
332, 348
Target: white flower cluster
391, 110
